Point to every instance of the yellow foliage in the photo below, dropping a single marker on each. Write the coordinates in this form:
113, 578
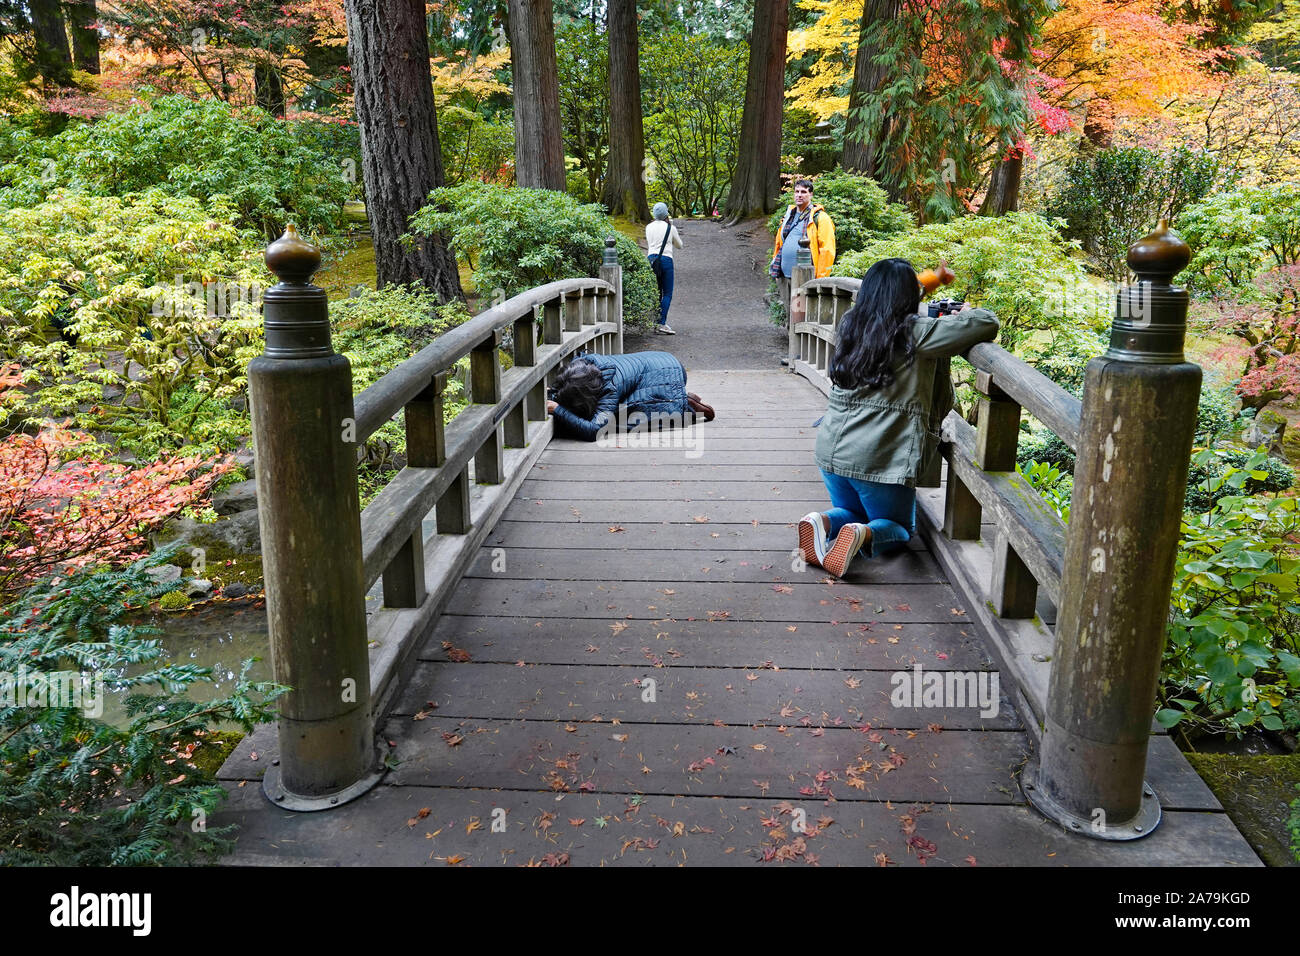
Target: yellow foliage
834, 39
469, 79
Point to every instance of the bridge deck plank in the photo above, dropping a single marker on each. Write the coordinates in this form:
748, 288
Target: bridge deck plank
768, 671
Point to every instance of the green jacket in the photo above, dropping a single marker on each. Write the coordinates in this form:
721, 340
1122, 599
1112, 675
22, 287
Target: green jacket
889, 434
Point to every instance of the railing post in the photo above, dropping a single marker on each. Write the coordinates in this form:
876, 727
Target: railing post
1135, 437
573, 311
797, 307
300, 398
485, 389
612, 273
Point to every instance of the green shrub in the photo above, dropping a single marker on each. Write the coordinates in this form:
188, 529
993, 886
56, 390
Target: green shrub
694, 91
1207, 477
155, 296
1017, 265
1113, 197
273, 171
377, 331
75, 790
1233, 657
860, 209
1235, 236
1051, 482
516, 239
1217, 414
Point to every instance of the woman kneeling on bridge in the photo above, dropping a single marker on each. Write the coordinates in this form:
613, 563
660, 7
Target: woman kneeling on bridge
590, 390
882, 423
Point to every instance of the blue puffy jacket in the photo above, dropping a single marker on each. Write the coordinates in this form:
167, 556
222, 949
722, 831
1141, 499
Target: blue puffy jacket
650, 382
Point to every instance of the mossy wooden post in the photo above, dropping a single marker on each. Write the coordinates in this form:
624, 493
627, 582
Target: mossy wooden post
797, 307
300, 397
1135, 437
612, 273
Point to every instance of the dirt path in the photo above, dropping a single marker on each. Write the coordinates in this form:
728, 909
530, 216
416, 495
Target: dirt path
718, 308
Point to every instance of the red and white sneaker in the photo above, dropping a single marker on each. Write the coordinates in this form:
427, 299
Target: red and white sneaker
812, 537
851, 539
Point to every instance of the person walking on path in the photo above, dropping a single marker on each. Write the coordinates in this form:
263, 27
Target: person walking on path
803, 218
890, 392
661, 236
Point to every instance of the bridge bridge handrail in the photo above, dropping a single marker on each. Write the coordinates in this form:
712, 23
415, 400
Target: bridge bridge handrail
322, 554
1090, 686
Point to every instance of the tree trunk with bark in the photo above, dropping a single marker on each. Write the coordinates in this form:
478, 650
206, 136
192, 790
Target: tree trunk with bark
53, 58
861, 144
268, 88
539, 146
1004, 189
82, 15
389, 51
625, 172
757, 180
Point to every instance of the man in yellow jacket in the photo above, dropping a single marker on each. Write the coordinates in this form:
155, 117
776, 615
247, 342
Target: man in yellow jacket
804, 217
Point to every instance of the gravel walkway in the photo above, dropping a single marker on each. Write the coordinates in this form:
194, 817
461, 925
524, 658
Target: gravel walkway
718, 309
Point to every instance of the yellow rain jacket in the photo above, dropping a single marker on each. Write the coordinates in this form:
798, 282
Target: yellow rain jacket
821, 240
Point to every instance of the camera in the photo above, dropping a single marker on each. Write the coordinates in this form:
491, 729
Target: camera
940, 307
553, 394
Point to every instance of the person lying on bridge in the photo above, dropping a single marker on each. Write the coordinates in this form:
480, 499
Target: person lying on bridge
651, 386
889, 395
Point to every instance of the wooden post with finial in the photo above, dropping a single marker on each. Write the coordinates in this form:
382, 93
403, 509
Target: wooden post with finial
1138, 422
797, 306
612, 272
304, 435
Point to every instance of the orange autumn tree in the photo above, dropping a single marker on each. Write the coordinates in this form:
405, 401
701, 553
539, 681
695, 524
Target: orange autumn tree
1106, 60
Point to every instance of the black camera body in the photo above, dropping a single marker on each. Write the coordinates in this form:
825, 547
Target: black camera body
941, 307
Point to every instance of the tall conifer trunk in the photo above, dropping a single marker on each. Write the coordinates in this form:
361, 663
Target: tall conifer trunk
757, 180
389, 51
539, 146
625, 173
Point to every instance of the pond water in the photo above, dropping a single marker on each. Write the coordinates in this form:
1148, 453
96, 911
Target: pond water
219, 636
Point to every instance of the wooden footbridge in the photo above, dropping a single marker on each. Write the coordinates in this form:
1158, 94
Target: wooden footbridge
600, 654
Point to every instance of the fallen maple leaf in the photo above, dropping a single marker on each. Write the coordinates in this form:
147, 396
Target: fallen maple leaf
617, 528
577, 821
701, 519
618, 627
852, 682
453, 860
473, 825
601, 822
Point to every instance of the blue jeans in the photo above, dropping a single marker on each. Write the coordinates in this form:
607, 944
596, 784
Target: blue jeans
663, 276
888, 510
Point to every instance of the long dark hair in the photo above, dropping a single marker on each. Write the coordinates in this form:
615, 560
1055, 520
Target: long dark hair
875, 335
578, 387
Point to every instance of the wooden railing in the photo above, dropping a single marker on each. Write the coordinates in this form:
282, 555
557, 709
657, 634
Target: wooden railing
981, 479
1090, 686
321, 554
508, 411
